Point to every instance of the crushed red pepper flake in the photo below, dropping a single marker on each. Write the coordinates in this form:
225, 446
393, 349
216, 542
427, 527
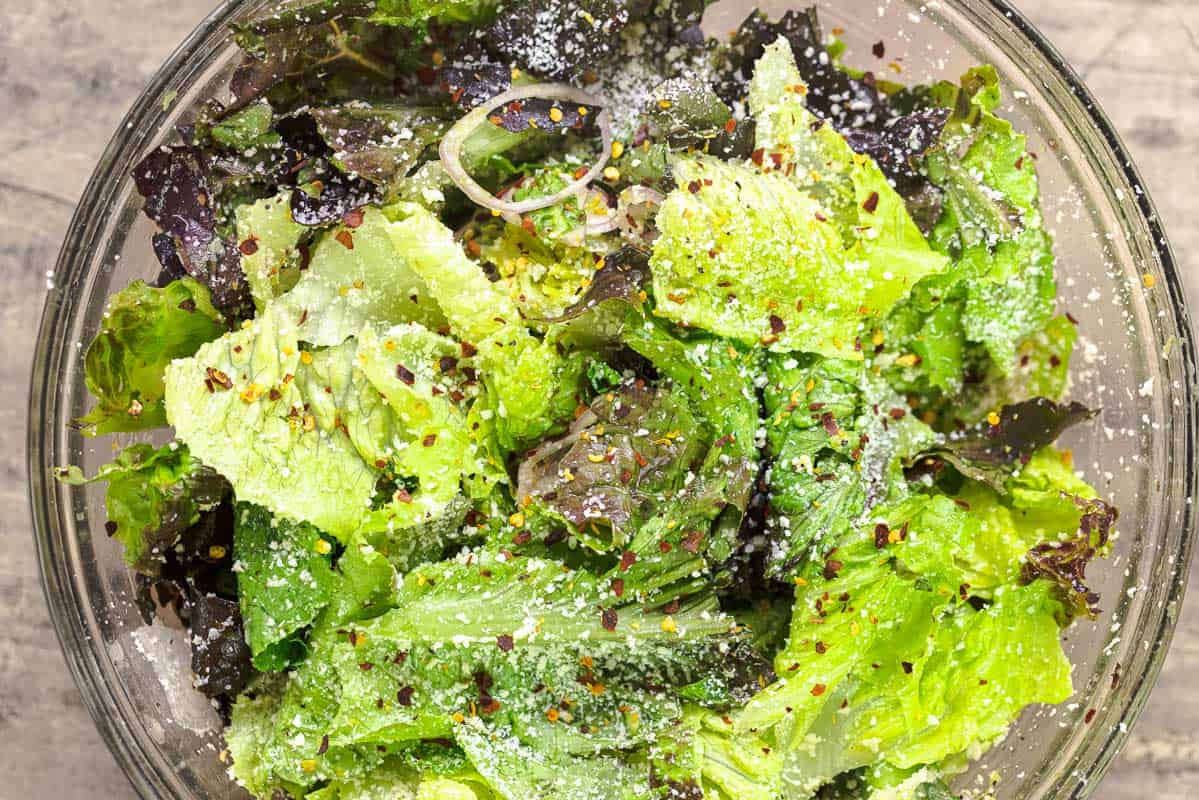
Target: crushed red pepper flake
879, 49
404, 696
907, 667
665, 547
324, 748
249, 247
776, 324
353, 218
627, 559
429, 440
468, 350
831, 568
405, 375
1090, 716
346, 239
504, 642
618, 587
608, 619
818, 689
871, 203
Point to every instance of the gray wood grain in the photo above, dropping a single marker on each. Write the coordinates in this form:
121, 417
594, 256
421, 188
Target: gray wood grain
69, 71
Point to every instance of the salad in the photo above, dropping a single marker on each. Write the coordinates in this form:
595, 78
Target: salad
544, 399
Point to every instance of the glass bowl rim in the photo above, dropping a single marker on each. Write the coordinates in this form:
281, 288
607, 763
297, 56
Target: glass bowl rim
65, 602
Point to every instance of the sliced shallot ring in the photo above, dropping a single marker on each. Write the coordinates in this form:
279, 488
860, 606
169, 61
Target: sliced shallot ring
450, 149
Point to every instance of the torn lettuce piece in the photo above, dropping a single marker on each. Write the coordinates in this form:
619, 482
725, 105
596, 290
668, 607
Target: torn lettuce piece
142, 331
791, 139
529, 384
247, 129
242, 388
839, 439
516, 769
544, 277
284, 581
750, 256
153, 496
269, 242
531, 387
473, 305
357, 276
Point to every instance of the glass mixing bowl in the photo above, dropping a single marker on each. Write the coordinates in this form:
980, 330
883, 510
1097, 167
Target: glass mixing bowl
1117, 277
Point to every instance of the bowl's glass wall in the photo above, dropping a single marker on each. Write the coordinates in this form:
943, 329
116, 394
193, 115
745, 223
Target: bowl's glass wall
1134, 359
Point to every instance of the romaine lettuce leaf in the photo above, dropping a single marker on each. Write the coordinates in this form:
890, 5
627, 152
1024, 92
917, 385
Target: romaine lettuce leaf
153, 496
242, 388
142, 331
284, 580
529, 385
545, 278
357, 276
752, 257
269, 242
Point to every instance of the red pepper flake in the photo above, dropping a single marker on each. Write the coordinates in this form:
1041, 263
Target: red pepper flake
324, 748
830, 423
1020, 162
528, 224
831, 568
1090, 716
665, 547
776, 159
504, 642
627, 559
353, 218
907, 667
366, 666
447, 364
625, 476
691, 541
821, 648
618, 587
110, 528
1116, 678
346, 239
871, 203
353, 638
730, 125
757, 155
818, 689
982, 681
400, 657
524, 537
776, 324
882, 535
468, 350
489, 706
694, 187
897, 413
404, 696
274, 395
249, 247
608, 619
429, 440
1072, 318
402, 495
879, 49
303, 317
962, 504
640, 459
406, 375
219, 378
1054, 361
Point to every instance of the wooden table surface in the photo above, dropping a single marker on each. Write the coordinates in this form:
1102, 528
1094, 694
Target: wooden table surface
68, 72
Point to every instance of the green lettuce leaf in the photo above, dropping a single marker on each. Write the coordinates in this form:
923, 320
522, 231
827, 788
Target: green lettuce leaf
269, 242
839, 438
153, 496
243, 388
752, 257
530, 387
411, 13
247, 129
357, 276
284, 580
142, 331
545, 278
